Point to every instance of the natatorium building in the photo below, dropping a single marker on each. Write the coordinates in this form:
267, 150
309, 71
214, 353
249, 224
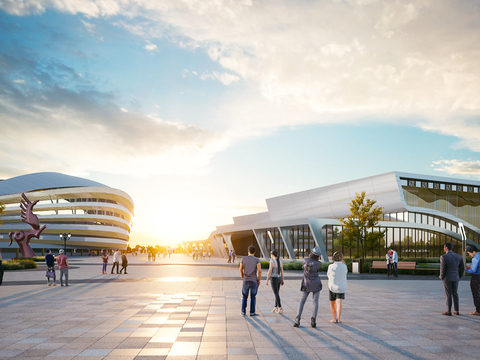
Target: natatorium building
96, 216
421, 213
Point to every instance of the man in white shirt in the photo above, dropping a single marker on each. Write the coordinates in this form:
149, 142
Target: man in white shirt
116, 260
395, 262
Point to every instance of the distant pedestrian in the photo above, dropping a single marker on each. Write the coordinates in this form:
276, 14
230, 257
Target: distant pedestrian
275, 273
51, 276
124, 264
233, 256
116, 260
62, 263
394, 262
311, 283
474, 269
389, 257
251, 273
104, 262
229, 256
451, 270
337, 285
1, 270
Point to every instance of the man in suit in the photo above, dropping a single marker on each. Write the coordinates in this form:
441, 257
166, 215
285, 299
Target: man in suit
451, 270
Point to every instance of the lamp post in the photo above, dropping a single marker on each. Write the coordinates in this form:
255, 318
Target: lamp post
64, 237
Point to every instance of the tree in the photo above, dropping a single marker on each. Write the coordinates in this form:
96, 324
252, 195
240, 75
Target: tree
364, 215
2, 209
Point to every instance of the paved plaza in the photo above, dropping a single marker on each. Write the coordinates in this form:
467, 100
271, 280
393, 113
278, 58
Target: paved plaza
177, 309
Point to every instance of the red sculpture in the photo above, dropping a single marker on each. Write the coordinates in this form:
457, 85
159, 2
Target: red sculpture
23, 237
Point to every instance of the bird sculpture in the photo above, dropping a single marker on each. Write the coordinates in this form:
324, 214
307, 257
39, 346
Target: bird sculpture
23, 237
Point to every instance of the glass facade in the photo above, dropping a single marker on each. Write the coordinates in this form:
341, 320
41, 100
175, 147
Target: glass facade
461, 201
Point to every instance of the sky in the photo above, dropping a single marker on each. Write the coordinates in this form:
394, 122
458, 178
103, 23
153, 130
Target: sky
202, 109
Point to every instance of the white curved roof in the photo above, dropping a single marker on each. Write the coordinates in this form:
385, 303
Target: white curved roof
43, 181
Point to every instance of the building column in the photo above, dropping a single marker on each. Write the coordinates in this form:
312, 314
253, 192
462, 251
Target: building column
217, 245
228, 241
316, 226
287, 242
261, 243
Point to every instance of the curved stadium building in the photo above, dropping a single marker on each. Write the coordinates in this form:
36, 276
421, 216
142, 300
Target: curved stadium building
420, 214
97, 216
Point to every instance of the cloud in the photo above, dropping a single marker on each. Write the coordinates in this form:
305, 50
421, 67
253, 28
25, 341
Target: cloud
90, 27
349, 59
225, 78
57, 120
150, 47
458, 167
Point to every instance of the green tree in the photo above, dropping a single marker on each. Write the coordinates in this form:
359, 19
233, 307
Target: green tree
2, 210
358, 226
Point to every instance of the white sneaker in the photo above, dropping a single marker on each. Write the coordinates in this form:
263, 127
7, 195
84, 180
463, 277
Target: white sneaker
274, 310
279, 311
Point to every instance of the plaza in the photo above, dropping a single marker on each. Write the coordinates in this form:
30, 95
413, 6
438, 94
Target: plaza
177, 308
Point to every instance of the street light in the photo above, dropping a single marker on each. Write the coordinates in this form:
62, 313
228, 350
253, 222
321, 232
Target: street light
64, 237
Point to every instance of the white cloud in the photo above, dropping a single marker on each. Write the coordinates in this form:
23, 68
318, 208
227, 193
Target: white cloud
458, 167
151, 47
225, 78
90, 27
341, 59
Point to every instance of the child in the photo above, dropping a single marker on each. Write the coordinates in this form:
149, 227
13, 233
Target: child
337, 285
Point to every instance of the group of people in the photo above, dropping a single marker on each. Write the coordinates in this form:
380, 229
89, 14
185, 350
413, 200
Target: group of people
251, 273
392, 261
117, 256
231, 256
196, 254
451, 270
62, 263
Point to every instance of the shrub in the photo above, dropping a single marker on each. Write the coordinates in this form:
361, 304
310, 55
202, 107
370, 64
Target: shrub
19, 264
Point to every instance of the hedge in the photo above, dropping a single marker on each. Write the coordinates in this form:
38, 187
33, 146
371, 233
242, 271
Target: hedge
423, 262
19, 264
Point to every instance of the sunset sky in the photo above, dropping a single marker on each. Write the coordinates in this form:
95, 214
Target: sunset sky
200, 110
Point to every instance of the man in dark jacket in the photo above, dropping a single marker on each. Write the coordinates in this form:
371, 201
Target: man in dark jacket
451, 270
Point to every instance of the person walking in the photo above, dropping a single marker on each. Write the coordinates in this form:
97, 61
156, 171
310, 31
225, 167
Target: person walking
104, 262
124, 264
116, 260
275, 273
233, 256
229, 256
474, 269
337, 285
311, 283
251, 273
451, 270
62, 262
1, 270
51, 276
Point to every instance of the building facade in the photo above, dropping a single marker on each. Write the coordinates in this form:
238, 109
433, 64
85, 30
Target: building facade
420, 214
97, 216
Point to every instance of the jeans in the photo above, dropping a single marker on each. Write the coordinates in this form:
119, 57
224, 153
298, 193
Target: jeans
275, 283
251, 286
104, 267
315, 304
63, 272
